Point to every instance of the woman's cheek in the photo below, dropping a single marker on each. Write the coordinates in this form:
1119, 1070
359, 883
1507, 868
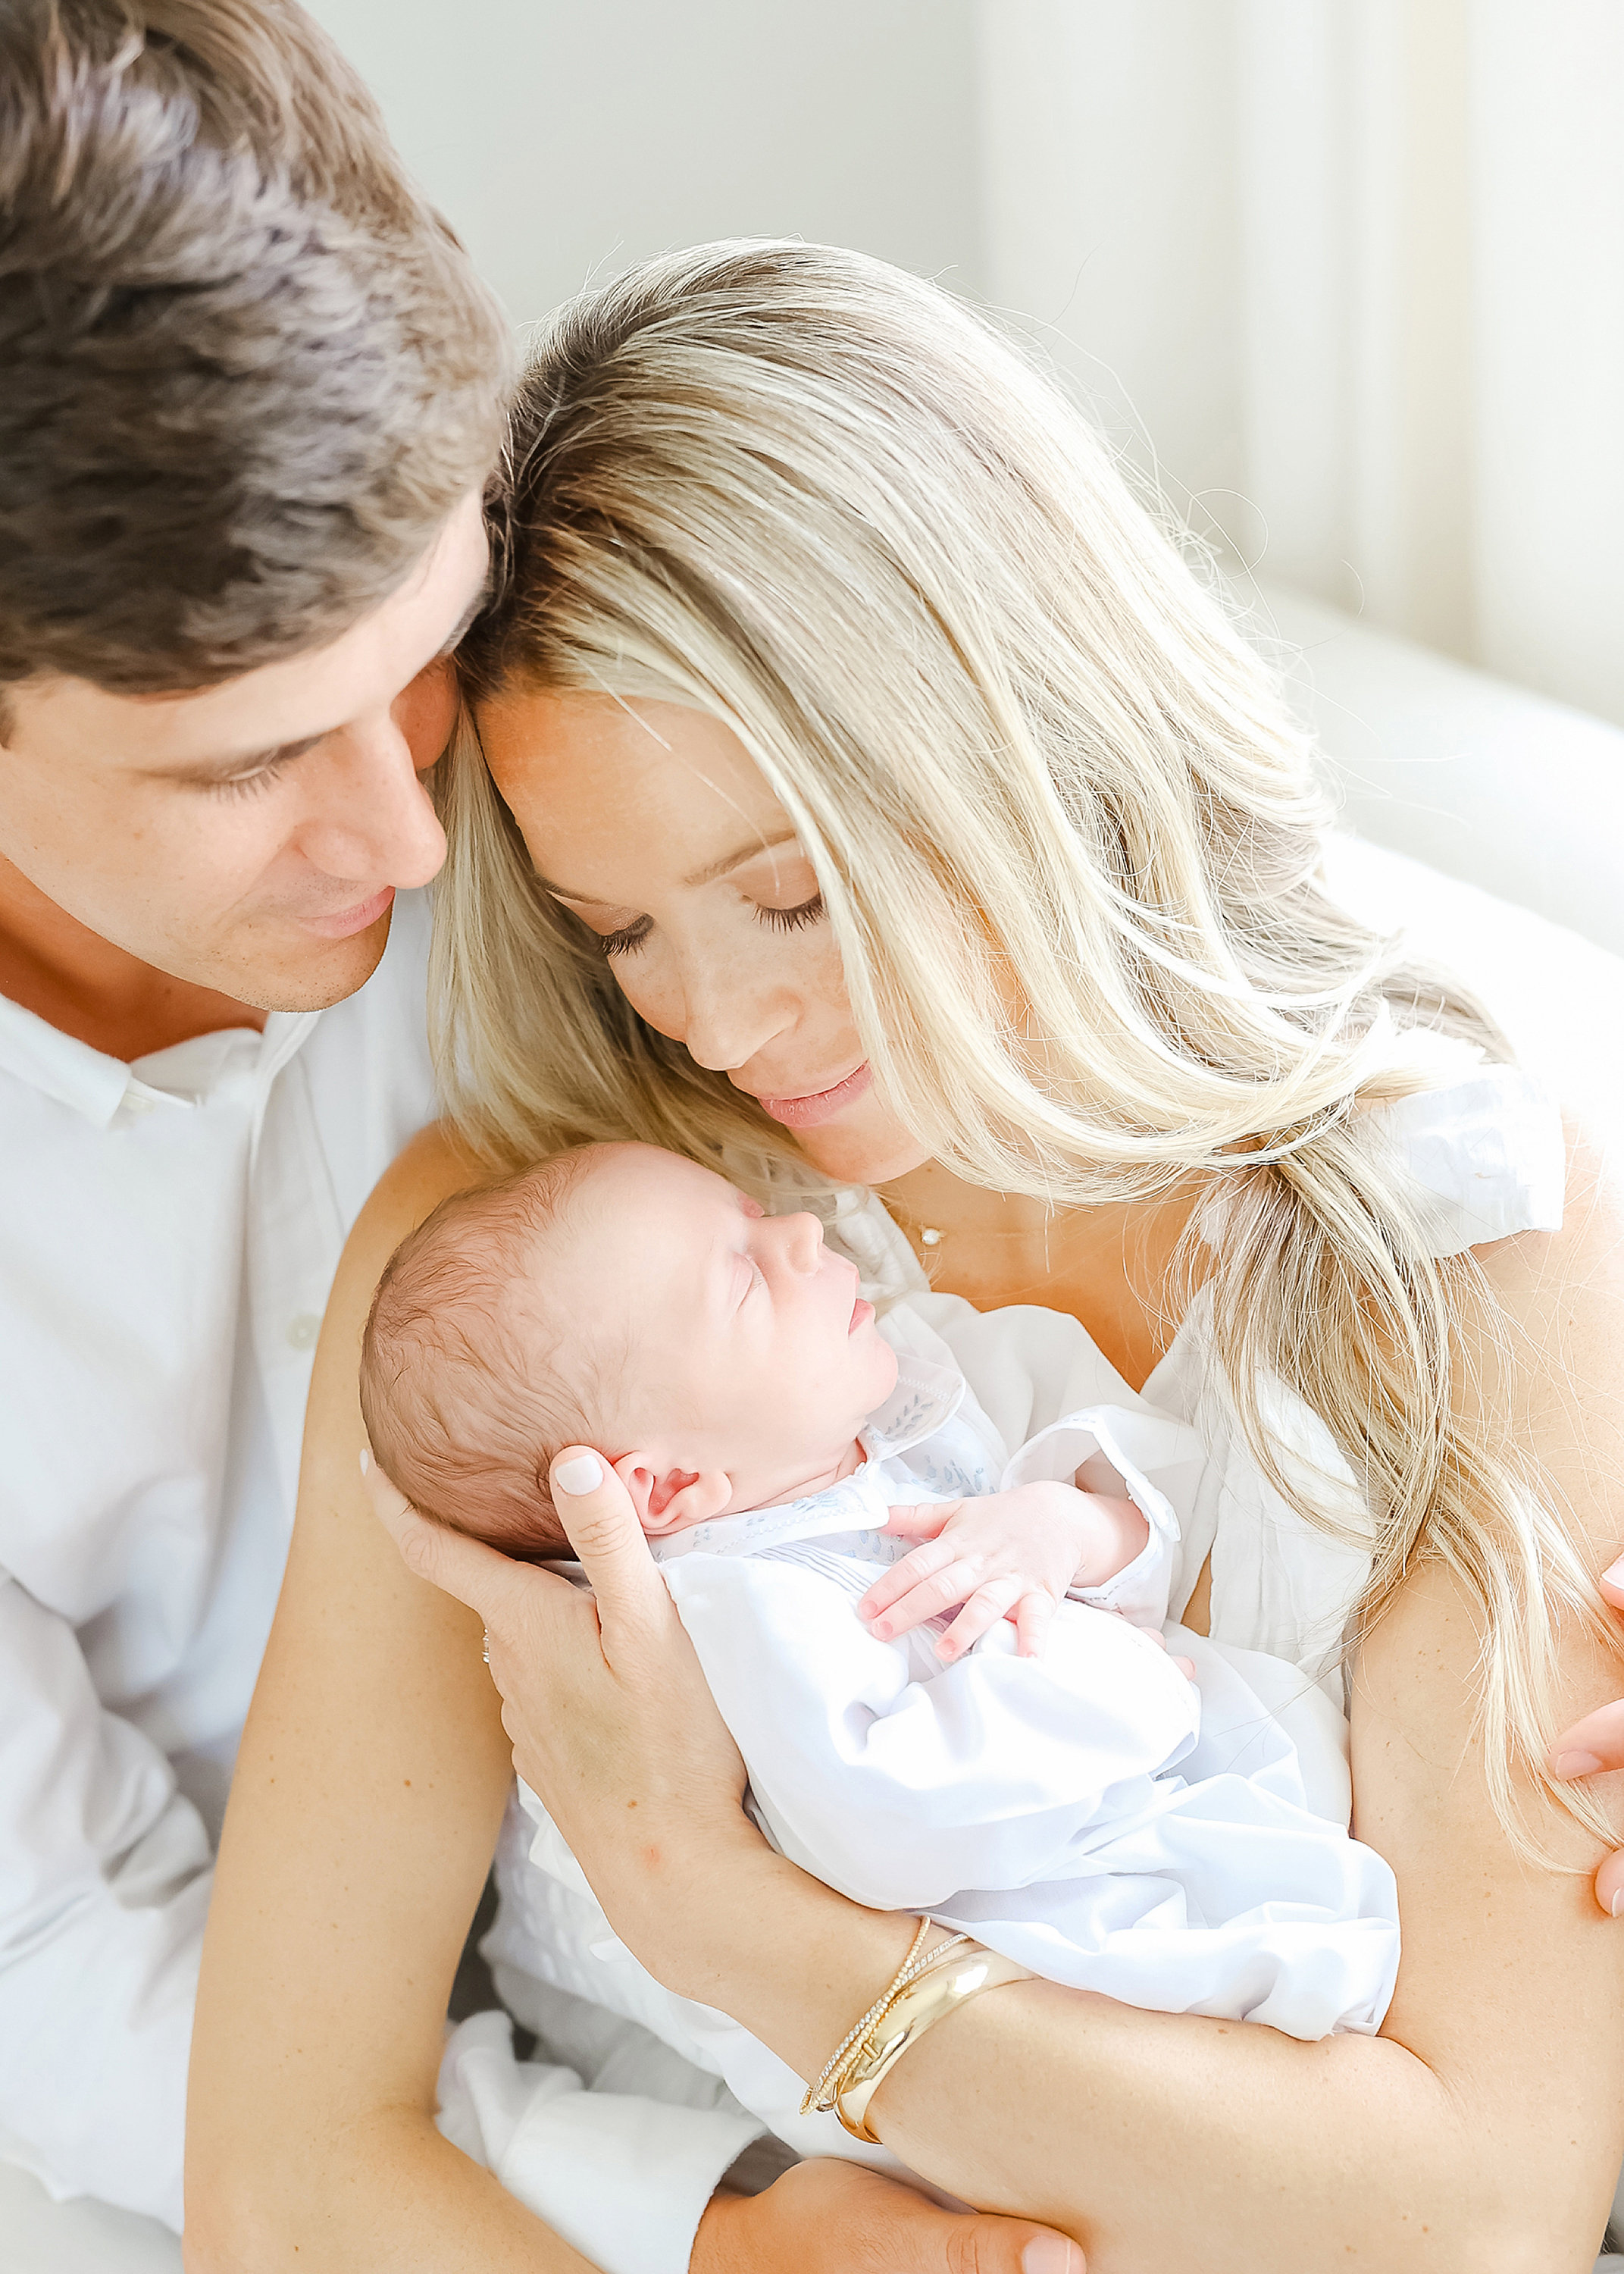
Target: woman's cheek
655, 994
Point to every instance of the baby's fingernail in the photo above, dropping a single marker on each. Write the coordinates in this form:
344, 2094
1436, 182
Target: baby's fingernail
579, 1476
1574, 1765
366, 1460
1617, 1901
1051, 2254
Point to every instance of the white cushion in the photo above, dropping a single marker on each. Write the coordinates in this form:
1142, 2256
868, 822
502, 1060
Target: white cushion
1481, 780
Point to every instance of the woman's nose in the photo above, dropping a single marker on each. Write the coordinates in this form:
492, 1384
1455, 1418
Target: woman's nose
723, 1027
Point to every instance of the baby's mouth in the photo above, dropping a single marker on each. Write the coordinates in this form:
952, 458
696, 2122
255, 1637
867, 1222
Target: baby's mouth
862, 1312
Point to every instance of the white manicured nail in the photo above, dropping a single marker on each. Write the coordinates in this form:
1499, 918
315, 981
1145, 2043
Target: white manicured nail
366, 1460
579, 1476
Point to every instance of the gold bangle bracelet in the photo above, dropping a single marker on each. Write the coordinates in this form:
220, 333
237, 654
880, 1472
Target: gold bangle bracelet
961, 1974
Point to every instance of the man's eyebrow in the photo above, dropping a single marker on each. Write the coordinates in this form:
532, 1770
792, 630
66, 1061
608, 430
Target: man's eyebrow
705, 876
253, 762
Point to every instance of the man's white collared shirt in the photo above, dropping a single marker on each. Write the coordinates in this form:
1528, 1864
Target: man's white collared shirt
168, 1239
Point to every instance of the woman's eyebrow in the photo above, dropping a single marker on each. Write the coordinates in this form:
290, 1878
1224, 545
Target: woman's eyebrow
705, 876
715, 868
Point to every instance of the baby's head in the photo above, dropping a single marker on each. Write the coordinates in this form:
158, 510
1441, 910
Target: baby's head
625, 1297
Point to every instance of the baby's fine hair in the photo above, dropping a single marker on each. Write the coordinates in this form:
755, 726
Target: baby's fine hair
470, 1385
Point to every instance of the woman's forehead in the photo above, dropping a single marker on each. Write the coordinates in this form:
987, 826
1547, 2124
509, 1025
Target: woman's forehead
595, 781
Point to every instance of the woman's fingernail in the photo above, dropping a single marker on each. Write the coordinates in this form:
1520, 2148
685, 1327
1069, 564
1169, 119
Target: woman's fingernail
1051, 2254
366, 1460
1574, 1765
1614, 1573
579, 1476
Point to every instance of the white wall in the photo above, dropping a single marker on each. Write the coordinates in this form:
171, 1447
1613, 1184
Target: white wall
566, 138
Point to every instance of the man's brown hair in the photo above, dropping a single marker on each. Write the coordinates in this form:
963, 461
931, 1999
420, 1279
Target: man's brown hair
246, 370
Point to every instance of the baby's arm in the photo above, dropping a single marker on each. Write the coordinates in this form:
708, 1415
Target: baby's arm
1011, 1554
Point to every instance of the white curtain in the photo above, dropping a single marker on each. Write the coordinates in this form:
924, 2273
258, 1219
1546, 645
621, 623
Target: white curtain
1354, 269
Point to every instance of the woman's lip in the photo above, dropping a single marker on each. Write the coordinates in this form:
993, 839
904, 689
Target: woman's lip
819, 1105
351, 920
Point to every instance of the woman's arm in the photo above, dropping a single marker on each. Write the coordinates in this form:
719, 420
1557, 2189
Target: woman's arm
368, 1792
1481, 2131
364, 1808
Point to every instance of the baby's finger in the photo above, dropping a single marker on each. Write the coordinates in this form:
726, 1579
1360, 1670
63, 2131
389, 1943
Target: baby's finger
955, 1584
1035, 1615
921, 1519
905, 1573
982, 1610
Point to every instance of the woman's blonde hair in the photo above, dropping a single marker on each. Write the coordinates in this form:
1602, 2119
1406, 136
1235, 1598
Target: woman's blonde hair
1067, 834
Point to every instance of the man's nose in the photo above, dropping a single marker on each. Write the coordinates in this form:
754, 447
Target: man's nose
371, 818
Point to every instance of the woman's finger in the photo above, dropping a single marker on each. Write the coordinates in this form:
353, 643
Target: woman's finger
1595, 1743
597, 1513
489, 1583
1610, 1885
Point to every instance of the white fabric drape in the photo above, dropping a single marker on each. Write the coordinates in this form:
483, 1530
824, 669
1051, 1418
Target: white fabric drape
1356, 269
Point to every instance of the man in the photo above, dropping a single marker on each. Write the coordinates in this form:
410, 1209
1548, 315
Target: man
252, 393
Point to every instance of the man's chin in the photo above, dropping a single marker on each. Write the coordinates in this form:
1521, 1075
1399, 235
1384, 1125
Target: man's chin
323, 972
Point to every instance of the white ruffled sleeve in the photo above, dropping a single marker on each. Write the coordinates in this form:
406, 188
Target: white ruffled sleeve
1135, 1445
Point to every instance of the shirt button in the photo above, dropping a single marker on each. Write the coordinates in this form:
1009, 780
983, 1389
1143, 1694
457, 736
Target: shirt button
136, 1104
302, 1331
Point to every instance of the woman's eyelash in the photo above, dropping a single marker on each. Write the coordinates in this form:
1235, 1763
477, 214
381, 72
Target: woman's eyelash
629, 935
793, 919
632, 936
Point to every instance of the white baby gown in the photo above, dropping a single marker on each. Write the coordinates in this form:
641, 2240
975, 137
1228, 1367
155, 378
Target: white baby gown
1092, 1813
1486, 1153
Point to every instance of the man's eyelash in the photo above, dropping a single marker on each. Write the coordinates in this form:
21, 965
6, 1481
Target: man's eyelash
632, 936
251, 785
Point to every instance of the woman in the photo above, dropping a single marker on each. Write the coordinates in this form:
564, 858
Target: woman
882, 803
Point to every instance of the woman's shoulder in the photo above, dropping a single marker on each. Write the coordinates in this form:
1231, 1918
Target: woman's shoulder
1487, 1154
428, 1170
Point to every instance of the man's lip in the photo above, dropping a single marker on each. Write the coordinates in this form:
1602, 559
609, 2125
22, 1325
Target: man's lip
351, 920
806, 1111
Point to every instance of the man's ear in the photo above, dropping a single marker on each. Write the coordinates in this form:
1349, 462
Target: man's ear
669, 1500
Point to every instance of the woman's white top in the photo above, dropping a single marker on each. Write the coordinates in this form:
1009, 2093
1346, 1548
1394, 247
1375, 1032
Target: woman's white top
1487, 1154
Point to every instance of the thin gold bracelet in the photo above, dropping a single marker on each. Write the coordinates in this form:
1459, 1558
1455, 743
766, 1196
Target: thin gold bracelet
950, 1977
820, 2097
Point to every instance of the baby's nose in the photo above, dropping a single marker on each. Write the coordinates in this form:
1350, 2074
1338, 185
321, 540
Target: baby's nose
803, 1241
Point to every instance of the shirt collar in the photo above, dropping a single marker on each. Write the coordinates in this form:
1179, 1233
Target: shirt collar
108, 1090
925, 1399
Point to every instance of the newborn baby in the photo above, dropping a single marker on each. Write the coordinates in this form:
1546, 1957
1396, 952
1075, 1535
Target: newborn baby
942, 1664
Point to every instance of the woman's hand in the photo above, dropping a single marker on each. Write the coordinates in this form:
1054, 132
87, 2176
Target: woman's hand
1596, 1744
829, 2217
613, 1724
614, 1727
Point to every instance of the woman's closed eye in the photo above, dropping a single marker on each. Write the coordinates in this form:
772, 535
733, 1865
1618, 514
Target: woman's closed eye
631, 936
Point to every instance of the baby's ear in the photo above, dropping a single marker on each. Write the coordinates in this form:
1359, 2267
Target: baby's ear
669, 1500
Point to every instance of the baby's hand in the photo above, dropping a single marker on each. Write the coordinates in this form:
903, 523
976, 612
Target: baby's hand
1005, 1555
